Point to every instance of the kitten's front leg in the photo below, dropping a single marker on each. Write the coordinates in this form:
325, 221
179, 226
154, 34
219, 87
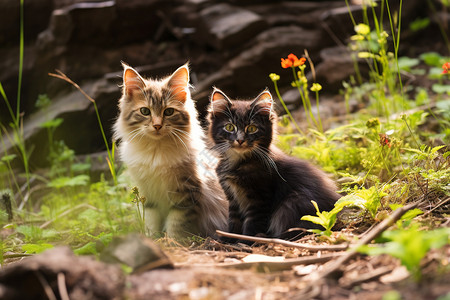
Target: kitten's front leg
234, 221
256, 221
184, 217
153, 221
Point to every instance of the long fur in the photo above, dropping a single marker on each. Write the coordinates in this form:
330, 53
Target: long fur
268, 191
173, 169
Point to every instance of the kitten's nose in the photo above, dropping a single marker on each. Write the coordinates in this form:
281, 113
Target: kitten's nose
240, 142
157, 127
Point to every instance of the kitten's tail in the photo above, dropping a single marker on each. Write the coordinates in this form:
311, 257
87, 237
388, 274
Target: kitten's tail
215, 209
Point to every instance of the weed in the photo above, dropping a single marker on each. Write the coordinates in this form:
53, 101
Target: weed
139, 201
301, 83
326, 219
110, 150
17, 138
409, 245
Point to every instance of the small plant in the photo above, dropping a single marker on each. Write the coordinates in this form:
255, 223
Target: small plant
17, 138
301, 83
110, 150
326, 219
409, 245
140, 206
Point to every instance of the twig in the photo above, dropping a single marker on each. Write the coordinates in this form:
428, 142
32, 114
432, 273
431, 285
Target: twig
446, 200
385, 224
47, 289
275, 266
62, 286
16, 255
314, 248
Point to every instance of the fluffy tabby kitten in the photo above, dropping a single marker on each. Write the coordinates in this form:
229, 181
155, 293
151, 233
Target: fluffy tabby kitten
163, 146
268, 191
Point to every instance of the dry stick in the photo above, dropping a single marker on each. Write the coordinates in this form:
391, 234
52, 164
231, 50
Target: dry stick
17, 255
287, 264
62, 286
385, 224
437, 206
283, 242
47, 289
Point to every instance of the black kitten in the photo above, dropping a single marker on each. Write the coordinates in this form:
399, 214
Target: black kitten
268, 191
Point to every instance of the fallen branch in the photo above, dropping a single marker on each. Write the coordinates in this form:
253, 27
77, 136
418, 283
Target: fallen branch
385, 224
312, 248
273, 266
444, 201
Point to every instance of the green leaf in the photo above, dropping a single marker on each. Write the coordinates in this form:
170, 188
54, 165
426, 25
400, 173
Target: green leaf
406, 63
89, 248
437, 148
419, 24
440, 88
432, 59
81, 167
8, 158
69, 181
315, 220
36, 248
52, 123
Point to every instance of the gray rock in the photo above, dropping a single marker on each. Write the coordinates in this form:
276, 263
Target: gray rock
337, 58
227, 26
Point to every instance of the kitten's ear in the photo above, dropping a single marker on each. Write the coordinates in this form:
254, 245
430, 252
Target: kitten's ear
179, 83
265, 101
132, 81
219, 101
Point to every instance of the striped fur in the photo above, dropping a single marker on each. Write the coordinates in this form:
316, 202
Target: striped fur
162, 145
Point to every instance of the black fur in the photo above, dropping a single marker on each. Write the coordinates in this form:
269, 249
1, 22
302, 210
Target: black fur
268, 191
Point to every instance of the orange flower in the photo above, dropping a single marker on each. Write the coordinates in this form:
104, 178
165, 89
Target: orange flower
300, 62
286, 63
292, 61
446, 68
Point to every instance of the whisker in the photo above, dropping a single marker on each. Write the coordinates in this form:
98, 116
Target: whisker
269, 162
181, 140
133, 134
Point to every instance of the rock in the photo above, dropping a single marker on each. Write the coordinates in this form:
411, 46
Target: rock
338, 23
72, 108
300, 13
227, 26
337, 58
83, 277
136, 251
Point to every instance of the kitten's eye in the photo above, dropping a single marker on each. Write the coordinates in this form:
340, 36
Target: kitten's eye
229, 127
145, 111
252, 129
169, 111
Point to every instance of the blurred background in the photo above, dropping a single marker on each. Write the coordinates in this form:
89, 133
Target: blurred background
233, 45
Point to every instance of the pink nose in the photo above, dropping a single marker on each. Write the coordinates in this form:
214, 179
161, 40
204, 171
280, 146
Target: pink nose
240, 142
157, 127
